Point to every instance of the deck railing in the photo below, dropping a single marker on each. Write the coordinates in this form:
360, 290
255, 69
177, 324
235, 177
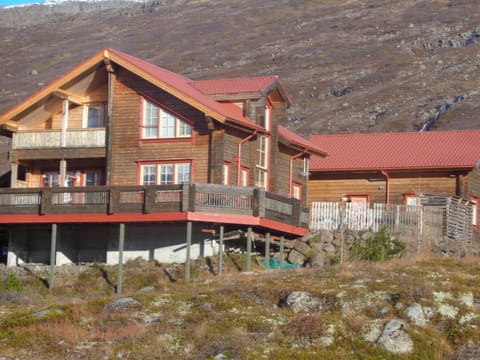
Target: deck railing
209, 198
53, 138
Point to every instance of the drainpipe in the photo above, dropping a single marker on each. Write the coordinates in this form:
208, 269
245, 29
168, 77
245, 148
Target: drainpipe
387, 180
292, 159
239, 156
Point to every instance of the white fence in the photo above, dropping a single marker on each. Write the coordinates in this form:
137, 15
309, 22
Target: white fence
396, 218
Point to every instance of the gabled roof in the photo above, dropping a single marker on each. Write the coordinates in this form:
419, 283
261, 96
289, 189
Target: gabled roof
173, 83
297, 140
407, 150
255, 86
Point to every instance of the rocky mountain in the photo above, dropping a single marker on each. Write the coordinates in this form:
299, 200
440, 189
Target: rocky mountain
350, 66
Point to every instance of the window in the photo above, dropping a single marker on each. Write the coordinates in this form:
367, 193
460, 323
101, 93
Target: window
93, 116
475, 201
244, 175
158, 123
411, 200
261, 175
52, 179
226, 173
297, 191
166, 173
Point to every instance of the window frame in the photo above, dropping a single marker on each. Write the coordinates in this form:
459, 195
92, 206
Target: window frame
226, 173
476, 200
244, 176
162, 128
296, 187
262, 162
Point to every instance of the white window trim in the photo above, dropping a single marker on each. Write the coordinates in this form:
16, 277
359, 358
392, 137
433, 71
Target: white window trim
175, 172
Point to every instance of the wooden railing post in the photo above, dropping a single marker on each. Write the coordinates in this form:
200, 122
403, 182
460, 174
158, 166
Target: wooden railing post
113, 200
148, 199
259, 202
296, 212
191, 197
188, 197
45, 201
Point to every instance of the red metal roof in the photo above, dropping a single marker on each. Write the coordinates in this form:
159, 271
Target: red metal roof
235, 85
296, 139
406, 150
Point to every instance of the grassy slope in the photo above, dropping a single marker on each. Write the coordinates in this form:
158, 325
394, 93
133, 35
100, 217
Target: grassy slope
238, 314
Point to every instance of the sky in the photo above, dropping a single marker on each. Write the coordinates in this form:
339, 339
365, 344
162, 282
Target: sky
18, 2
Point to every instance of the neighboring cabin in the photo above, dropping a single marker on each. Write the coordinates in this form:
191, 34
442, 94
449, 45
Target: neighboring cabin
395, 168
116, 121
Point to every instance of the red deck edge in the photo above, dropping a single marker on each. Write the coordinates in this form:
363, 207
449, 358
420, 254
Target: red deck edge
152, 217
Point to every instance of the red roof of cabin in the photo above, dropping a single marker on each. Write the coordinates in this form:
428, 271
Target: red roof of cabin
406, 150
235, 85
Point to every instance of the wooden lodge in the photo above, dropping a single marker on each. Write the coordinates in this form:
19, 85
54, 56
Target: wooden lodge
121, 145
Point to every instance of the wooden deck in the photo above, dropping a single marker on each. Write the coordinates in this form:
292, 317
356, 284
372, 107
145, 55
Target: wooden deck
196, 202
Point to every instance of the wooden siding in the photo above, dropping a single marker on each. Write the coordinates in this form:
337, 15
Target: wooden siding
374, 185
127, 149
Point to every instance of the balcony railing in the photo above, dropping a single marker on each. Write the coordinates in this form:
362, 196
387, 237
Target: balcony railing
53, 138
207, 198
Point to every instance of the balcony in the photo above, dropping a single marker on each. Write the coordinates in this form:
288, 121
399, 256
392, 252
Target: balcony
71, 138
207, 202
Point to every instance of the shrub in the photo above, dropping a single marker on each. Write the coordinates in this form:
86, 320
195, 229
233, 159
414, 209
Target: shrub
377, 248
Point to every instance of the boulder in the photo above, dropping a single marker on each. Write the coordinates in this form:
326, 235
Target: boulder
294, 257
318, 259
123, 304
303, 301
302, 247
415, 313
325, 236
395, 338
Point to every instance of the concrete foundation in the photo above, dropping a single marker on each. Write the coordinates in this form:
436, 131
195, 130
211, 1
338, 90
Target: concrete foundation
165, 243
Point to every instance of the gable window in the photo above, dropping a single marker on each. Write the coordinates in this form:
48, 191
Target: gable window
262, 162
166, 173
93, 116
157, 123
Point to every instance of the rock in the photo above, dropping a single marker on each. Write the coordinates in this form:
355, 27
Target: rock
318, 259
366, 235
395, 338
294, 257
325, 236
329, 249
123, 304
48, 313
302, 247
467, 299
303, 301
34, 72
415, 313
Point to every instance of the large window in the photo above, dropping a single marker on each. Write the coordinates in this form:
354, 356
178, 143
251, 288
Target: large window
166, 173
160, 124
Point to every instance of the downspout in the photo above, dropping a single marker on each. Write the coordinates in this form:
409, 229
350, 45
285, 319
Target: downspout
239, 156
292, 159
387, 182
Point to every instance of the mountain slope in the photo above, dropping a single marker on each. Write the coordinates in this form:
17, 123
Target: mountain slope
350, 66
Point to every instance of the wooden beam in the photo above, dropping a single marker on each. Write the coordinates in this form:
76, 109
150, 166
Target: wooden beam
249, 250
53, 253
189, 245
66, 95
282, 249
267, 250
121, 245
220, 251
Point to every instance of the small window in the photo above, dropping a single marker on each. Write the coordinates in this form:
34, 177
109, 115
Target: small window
226, 173
93, 116
244, 175
297, 191
475, 201
157, 123
411, 200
